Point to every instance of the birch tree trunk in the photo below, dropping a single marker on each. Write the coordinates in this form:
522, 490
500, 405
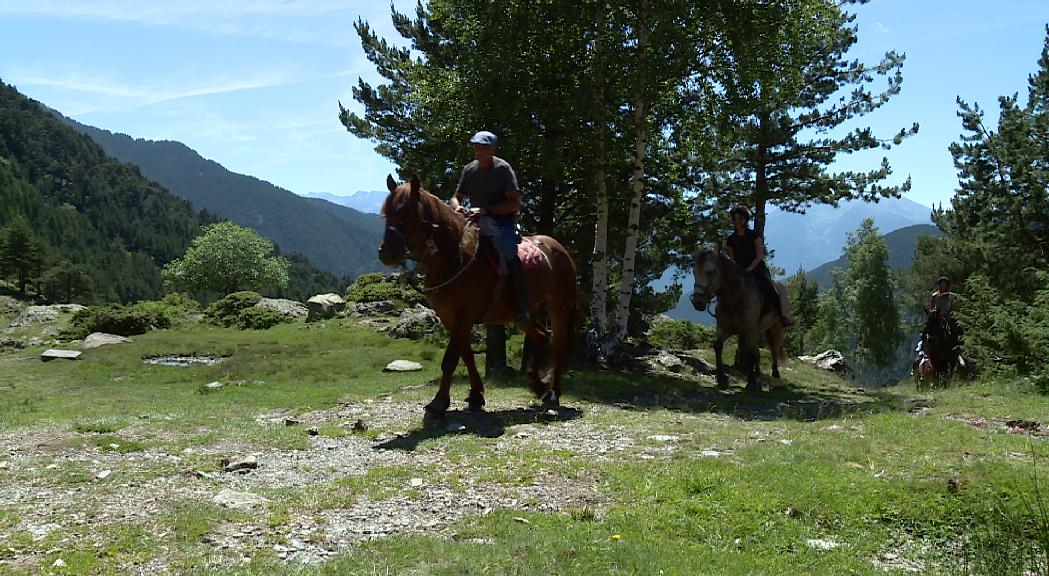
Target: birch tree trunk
626, 287
599, 289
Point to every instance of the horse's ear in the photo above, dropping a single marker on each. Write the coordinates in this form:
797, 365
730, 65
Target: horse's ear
390, 182
416, 186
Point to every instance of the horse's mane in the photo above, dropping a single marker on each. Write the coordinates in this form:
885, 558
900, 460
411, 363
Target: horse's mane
439, 214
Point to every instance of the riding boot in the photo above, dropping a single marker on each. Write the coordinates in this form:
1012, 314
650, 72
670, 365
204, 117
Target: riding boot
517, 278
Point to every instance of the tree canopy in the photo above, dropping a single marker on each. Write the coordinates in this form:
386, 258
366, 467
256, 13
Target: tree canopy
226, 258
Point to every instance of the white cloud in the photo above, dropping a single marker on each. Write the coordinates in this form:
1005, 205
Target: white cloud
883, 28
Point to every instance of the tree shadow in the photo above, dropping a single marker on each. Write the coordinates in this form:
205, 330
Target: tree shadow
483, 424
632, 390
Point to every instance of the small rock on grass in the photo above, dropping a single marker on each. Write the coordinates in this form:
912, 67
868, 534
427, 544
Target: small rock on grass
103, 474
247, 463
238, 500
663, 438
360, 426
213, 385
403, 366
416, 482
455, 427
821, 544
313, 431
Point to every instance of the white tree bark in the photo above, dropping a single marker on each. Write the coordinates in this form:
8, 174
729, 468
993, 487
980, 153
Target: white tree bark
599, 301
626, 287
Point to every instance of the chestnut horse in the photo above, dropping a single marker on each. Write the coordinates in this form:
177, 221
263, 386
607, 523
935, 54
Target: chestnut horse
460, 283
739, 311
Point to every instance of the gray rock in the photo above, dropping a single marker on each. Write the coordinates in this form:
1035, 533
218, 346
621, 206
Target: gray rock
403, 366
324, 306
830, 360
371, 309
51, 354
246, 463
670, 362
96, 339
416, 323
45, 314
238, 500
213, 385
288, 308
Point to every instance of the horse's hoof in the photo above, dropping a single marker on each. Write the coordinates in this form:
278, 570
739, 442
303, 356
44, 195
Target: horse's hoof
551, 401
475, 401
435, 410
538, 388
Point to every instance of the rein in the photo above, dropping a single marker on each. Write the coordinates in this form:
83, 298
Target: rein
462, 269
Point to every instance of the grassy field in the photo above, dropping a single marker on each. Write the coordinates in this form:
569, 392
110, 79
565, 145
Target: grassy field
109, 465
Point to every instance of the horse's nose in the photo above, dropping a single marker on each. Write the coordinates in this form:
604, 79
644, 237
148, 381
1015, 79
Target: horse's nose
388, 257
698, 302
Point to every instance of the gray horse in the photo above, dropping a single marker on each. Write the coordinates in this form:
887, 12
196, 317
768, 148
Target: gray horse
739, 311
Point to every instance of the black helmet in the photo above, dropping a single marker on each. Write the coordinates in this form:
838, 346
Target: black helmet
943, 279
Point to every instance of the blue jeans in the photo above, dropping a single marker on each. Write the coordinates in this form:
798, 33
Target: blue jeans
503, 231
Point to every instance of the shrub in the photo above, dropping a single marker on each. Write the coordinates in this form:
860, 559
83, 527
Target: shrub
225, 310
259, 318
122, 320
680, 335
376, 286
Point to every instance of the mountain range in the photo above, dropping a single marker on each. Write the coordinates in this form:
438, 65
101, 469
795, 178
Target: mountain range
338, 239
369, 202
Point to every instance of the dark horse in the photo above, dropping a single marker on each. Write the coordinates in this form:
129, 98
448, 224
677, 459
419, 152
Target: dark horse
740, 310
941, 345
460, 283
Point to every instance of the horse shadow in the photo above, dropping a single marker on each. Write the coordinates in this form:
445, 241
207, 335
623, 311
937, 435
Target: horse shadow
487, 424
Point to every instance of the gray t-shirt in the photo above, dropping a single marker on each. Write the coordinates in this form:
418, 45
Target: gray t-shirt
486, 187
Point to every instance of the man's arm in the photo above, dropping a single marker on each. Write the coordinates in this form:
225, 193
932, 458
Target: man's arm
457, 201
511, 205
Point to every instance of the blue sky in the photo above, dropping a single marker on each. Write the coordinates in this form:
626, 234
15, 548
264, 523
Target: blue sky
254, 85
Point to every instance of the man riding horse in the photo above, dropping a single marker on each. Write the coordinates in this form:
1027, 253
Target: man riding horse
490, 185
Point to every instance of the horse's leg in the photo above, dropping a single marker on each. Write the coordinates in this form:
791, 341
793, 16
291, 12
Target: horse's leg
752, 348
540, 342
561, 324
719, 368
775, 338
475, 401
458, 337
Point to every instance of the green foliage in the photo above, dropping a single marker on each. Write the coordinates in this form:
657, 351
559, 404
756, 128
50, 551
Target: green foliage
127, 320
1005, 334
376, 287
804, 310
226, 310
680, 335
21, 254
874, 318
226, 258
259, 318
67, 282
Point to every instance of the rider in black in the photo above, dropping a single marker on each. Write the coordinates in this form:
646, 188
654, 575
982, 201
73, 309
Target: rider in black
748, 250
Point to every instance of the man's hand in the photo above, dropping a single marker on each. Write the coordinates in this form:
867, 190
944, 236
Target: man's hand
476, 212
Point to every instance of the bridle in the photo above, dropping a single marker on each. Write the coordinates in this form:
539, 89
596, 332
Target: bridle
428, 244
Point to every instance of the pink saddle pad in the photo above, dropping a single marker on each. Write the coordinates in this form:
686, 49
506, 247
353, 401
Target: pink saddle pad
532, 258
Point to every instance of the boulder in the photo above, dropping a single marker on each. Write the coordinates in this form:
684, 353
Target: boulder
287, 308
45, 314
415, 323
96, 339
371, 309
669, 362
403, 366
830, 360
324, 306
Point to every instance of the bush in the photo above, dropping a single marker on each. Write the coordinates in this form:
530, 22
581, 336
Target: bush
227, 309
376, 287
237, 310
680, 335
259, 318
122, 320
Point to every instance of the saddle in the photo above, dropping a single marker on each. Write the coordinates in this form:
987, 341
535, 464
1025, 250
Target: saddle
473, 244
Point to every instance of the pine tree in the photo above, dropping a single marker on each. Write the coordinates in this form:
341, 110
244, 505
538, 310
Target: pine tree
21, 254
874, 319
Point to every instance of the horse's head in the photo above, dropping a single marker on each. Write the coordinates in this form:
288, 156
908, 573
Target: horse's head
409, 223
707, 277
